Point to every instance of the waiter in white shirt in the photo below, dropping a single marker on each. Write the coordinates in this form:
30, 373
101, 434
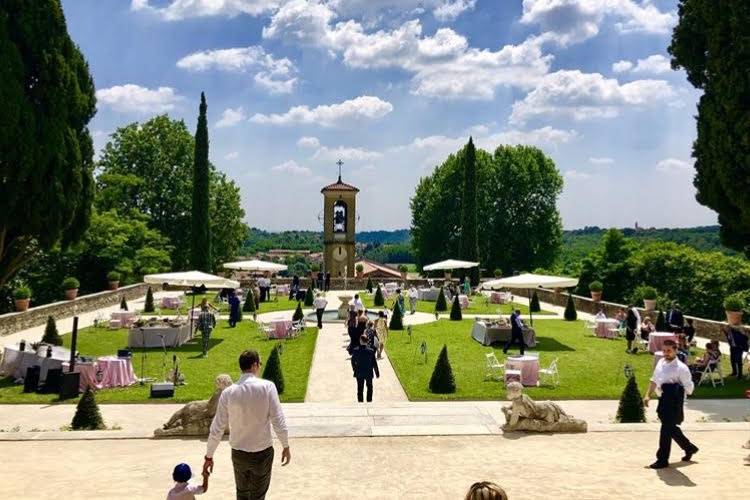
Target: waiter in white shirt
672, 381
249, 407
358, 304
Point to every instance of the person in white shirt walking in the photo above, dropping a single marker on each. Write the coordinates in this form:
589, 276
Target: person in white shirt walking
672, 380
358, 304
249, 407
320, 304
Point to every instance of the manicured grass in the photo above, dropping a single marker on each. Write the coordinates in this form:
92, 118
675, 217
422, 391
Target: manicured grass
477, 305
590, 367
226, 344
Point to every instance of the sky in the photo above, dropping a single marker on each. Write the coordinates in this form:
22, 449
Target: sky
391, 87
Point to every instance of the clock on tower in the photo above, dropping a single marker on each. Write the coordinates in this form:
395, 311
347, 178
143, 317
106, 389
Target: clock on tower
339, 207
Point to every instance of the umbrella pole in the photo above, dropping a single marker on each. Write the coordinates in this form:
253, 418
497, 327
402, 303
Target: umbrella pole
531, 313
190, 313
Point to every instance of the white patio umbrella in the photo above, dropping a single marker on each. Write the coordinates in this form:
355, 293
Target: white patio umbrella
530, 281
447, 265
256, 266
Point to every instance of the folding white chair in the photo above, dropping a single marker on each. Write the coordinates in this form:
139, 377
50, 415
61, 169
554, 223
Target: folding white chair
296, 328
551, 373
708, 372
266, 330
492, 367
589, 327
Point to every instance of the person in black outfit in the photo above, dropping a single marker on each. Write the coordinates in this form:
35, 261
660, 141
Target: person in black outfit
364, 365
328, 281
631, 326
689, 330
738, 344
675, 319
320, 280
516, 332
294, 288
351, 328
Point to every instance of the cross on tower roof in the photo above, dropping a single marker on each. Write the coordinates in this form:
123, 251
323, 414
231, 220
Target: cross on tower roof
339, 163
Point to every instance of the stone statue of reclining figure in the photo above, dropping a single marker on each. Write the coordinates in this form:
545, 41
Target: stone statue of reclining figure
194, 419
524, 414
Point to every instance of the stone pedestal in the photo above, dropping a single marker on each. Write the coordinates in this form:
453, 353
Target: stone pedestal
344, 307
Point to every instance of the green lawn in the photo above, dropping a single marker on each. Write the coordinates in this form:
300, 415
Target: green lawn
477, 305
282, 303
590, 367
225, 347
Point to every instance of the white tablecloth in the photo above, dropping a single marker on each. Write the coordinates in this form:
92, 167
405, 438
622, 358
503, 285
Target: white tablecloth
428, 294
492, 335
173, 336
15, 362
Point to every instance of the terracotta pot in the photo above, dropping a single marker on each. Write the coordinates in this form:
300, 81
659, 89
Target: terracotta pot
71, 294
734, 317
649, 304
22, 304
596, 296
403, 276
114, 285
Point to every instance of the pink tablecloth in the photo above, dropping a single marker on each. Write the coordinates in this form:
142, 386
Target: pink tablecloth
280, 328
126, 318
657, 356
282, 290
171, 302
656, 340
529, 366
88, 374
116, 372
463, 301
604, 328
498, 297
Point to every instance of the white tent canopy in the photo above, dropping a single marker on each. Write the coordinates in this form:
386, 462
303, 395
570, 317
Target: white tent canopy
191, 278
447, 265
256, 265
530, 281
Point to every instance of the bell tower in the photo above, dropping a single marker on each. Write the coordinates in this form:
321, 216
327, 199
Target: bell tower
339, 209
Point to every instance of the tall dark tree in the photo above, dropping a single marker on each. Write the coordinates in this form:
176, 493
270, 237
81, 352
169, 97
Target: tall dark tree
469, 245
273, 371
631, 409
200, 235
442, 380
710, 42
47, 154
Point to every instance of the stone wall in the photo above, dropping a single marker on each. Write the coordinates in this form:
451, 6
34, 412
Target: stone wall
17, 321
704, 327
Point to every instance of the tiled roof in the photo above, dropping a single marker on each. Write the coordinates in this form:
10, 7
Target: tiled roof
340, 186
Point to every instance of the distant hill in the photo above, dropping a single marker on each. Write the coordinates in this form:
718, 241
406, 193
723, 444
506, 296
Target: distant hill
259, 240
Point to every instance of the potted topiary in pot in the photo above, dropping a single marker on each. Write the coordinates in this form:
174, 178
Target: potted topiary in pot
403, 270
498, 273
596, 287
733, 306
113, 277
649, 297
22, 297
360, 268
70, 285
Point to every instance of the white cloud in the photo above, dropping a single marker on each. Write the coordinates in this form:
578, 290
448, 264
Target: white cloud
271, 74
131, 98
444, 145
601, 161
231, 117
576, 175
655, 64
232, 156
673, 165
583, 96
183, 9
441, 65
291, 167
573, 21
333, 115
451, 9
344, 153
308, 142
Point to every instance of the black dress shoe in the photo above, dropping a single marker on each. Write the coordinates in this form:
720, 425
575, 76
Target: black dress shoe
658, 465
689, 454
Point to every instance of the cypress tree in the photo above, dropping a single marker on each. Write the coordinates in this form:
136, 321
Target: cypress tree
534, 304
148, 307
249, 305
661, 322
309, 296
124, 304
442, 380
273, 371
87, 416
456, 310
51, 336
379, 301
369, 284
469, 244
631, 409
570, 310
397, 319
298, 314
440, 304
200, 236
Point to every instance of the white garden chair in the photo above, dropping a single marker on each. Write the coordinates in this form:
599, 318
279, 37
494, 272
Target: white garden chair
589, 327
492, 367
551, 373
266, 330
296, 328
708, 374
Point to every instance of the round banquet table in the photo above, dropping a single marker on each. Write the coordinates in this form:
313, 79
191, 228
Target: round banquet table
88, 374
656, 340
529, 366
126, 318
116, 372
604, 327
463, 301
280, 327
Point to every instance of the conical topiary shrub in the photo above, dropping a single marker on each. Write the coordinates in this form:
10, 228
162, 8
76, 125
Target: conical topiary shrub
309, 296
397, 318
440, 304
273, 371
379, 301
368, 287
124, 304
87, 417
442, 380
148, 307
50, 333
298, 314
631, 409
249, 305
534, 304
456, 310
661, 323
570, 310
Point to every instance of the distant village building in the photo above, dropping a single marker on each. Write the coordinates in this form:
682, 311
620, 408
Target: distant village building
375, 270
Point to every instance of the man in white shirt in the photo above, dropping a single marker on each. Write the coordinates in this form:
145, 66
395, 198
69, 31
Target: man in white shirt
673, 382
413, 297
358, 304
249, 407
320, 304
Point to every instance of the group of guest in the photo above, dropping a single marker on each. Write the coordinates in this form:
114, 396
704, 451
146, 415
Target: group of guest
710, 359
323, 281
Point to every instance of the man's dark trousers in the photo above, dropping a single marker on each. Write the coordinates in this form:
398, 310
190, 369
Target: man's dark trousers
670, 412
319, 315
515, 336
361, 381
252, 473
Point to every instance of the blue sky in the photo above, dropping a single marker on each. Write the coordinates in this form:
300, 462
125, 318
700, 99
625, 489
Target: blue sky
393, 86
